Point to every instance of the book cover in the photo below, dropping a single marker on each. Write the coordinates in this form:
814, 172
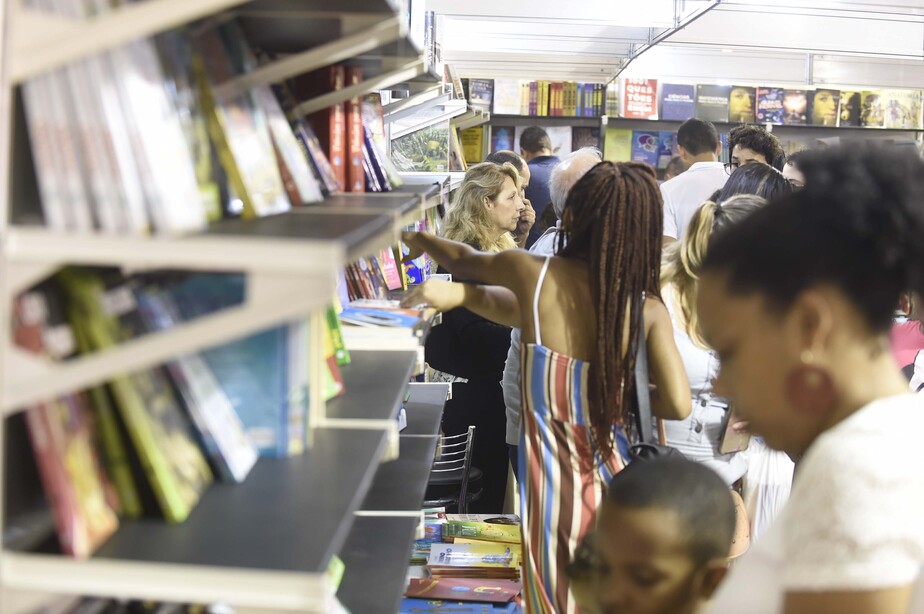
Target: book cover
795, 107
332, 319
500, 555
329, 124
374, 121
472, 144
712, 102
823, 109
872, 114
612, 99
375, 165
356, 178
848, 108
390, 269
481, 93
667, 148
456, 155
678, 101
585, 137
524, 98
487, 591
485, 531
741, 104
639, 99
506, 97
426, 150
645, 147
770, 105
332, 380
502, 138
388, 318
617, 145
902, 109
437, 606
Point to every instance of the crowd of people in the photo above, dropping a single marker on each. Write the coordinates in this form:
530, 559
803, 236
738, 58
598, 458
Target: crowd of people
778, 301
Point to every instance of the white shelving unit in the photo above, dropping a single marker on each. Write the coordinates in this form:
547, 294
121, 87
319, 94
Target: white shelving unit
264, 545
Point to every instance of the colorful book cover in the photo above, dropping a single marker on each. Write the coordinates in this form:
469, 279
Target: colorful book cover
389, 318
612, 99
639, 98
872, 113
645, 147
848, 108
329, 124
502, 138
437, 606
426, 150
487, 591
390, 269
356, 179
472, 144
741, 104
375, 174
712, 102
585, 137
481, 93
902, 109
333, 323
484, 531
617, 145
456, 156
824, 107
770, 105
795, 107
485, 555
332, 384
678, 101
667, 148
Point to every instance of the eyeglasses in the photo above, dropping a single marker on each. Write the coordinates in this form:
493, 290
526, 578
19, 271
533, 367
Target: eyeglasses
796, 184
731, 167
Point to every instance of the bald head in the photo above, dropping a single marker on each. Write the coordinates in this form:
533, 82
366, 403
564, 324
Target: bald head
565, 175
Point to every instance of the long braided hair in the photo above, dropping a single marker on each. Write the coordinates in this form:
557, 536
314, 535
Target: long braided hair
613, 220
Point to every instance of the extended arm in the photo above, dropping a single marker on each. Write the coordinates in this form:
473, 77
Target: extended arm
491, 302
882, 601
671, 400
460, 259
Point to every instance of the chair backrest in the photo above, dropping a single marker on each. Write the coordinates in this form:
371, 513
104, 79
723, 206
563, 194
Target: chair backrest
454, 453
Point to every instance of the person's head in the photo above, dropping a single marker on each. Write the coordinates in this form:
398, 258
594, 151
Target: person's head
535, 142
683, 260
798, 300
697, 141
563, 177
793, 172
750, 143
663, 536
674, 168
613, 220
758, 179
824, 108
503, 156
741, 104
486, 208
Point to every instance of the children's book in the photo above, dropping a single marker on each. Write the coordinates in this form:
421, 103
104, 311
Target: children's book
484, 531
770, 105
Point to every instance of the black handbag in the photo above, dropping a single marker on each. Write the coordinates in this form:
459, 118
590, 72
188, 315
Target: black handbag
647, 446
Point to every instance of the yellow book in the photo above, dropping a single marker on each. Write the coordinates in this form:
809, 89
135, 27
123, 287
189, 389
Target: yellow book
617, 145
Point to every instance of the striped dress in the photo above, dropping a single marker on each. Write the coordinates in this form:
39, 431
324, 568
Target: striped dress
562, 477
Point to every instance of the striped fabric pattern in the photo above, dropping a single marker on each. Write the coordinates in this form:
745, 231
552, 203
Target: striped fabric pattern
562, 477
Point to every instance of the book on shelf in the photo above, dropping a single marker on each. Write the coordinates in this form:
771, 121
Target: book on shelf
356, 179
483, 591
872, 114
795, 107
617, 145
902, 109
456, 154
481, 93
770, 105
333, 323
742, 104
424, 150
848, 108
823, 109
332, 380
640, 98
712, 102
381, 323
482, 560
482, 531
507, 96
646, 146
451, 76
329, 124
667, 148
611, 103
472, 144
678, 101
410, 605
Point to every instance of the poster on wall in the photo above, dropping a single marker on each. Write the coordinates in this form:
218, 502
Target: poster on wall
823, 107
741, 104
712, 102
678, 101
640, 98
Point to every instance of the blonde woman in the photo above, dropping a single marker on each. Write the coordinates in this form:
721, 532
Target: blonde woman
486, 210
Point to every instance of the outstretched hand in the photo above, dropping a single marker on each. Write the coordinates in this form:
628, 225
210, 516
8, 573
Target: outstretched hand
409, 238
436, 293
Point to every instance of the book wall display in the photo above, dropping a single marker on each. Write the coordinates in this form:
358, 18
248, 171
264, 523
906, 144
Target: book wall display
823, 109
795, 107
678, 101
770, 105
640, 98
741, 104
712, 102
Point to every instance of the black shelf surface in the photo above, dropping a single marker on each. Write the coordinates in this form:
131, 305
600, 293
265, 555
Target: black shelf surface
376, 556
424, 190
375, 384
351, 229
397, 203
289, 515
400, 485
677, 122
424, 410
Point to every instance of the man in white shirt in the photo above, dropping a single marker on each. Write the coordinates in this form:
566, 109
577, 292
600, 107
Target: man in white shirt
699, 147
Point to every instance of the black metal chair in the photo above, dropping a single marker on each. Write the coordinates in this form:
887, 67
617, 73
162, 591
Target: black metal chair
453, 480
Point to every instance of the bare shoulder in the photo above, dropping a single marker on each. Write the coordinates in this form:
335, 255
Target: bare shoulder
656, 314
519, 260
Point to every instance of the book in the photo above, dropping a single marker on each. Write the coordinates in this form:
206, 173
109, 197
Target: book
645, 147
902, 109
678, 101
481, 93
585, 137
332, 319
456, 155
356, 180
486, 591
502, 138
374, 176
426, 150
483, 560
374, 122
329, 124
712, 102
506, 97
770, 105
795, 107
472, 144
436, 606
308, 141
390, 269
612, 100
639, 99
741, 104
220, 430
848, 108
667, 148
872, 114
617, 145
823, 109
378, 317
483, 531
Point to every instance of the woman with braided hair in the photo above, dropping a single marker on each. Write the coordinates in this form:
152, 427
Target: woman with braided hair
576, 311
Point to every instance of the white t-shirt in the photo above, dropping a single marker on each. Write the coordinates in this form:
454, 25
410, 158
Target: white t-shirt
684, 194
855, 520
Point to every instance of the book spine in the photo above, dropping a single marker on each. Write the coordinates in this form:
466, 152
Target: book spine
533, 98
356, 176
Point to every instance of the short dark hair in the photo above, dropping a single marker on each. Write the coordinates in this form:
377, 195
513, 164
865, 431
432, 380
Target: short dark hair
697, 136
675, 166
795, 157
756, 138
693, 491
857, 226
758, 179
535, 139
502, 156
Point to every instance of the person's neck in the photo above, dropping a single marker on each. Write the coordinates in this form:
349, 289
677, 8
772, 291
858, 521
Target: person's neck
539, 154
703, 157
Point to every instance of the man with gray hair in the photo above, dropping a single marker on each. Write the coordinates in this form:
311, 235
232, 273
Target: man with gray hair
562, 179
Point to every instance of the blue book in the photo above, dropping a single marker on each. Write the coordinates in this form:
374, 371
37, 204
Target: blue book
409, 606
770, 105
389, 318
667, 147
678, 102
645, 147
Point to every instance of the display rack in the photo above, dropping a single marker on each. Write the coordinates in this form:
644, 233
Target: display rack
266, 544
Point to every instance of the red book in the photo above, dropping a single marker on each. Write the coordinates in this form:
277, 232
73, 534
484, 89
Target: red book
355, 173
459, 589
329, 124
